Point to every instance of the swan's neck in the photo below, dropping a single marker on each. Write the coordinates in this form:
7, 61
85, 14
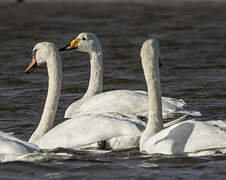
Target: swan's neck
96, 74
54, 87
151, 72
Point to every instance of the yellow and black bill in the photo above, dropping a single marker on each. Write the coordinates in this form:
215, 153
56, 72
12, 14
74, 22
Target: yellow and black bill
73, 45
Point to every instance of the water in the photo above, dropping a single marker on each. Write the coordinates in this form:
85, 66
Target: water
192, 41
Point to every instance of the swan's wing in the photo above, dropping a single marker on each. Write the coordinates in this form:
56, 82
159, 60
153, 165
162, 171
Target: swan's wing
187, 137
13, 146
84, 130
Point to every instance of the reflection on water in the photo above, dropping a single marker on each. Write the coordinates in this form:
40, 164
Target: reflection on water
192, 42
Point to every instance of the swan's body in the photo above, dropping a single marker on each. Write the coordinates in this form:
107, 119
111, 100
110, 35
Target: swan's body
118, 131
86, 131
127, 102
191, 137
12, 148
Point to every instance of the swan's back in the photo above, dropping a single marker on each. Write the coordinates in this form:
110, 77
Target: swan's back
192, 137
85, 130
126, 102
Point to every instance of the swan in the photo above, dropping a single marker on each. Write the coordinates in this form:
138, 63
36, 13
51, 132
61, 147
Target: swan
189, 137
107, 130
127, 102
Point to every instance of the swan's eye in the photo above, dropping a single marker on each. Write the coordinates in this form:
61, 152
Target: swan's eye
83, 38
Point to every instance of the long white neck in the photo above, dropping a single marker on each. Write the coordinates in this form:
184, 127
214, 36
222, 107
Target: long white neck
96, 74
150, 63
55, 81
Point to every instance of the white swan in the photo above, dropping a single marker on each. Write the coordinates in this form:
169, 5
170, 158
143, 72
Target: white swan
127, 102
113, 130
12, 148
191, 137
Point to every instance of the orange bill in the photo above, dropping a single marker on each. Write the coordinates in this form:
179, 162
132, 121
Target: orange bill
31, 65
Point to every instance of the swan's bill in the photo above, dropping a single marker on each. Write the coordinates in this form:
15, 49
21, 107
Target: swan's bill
73, 45
31, 65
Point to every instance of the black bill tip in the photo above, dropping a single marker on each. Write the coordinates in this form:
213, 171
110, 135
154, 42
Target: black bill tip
64, 48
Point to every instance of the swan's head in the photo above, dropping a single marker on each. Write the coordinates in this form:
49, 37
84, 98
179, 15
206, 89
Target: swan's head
150, 50
41, 53
84, 42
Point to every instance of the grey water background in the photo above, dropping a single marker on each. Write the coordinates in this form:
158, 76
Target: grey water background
192, 42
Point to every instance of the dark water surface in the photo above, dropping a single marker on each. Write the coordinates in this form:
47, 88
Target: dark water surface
192, 42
